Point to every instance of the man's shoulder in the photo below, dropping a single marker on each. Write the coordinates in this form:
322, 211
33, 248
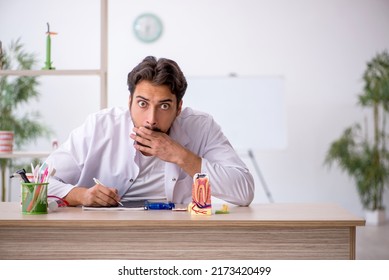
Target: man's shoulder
190, 113
190, 118
192, 122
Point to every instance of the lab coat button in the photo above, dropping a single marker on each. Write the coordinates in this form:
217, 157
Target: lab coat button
174, 179
131, 180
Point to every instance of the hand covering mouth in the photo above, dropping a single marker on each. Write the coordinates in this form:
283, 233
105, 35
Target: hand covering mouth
154, 129
151, 128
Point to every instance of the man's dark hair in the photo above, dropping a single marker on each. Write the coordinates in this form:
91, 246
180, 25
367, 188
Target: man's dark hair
159, 72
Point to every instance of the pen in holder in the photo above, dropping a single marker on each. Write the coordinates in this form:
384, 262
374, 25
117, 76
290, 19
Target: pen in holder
34, 198
34, 195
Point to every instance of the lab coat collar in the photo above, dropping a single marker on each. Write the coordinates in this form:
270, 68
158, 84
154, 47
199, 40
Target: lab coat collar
172, 171
178, 134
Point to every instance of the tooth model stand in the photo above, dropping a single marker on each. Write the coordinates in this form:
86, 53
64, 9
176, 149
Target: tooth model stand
201, 195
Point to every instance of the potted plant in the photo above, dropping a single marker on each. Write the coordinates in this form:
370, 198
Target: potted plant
16, 91
364, 158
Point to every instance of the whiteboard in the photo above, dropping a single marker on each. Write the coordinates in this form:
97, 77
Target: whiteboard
250, 110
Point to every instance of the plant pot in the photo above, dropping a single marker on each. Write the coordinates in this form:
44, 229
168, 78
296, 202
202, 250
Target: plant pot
375, 217
6, 141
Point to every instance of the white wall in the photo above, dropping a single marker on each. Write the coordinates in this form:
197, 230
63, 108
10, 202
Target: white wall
319, 47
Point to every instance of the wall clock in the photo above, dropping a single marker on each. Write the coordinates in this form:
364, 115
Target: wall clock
148, 27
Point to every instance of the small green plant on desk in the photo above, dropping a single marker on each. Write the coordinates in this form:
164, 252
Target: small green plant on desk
364, 158
14, 92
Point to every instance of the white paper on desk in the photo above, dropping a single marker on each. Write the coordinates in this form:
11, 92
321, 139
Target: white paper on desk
127, 206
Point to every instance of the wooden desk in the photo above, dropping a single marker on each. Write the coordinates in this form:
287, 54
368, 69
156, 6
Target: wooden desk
263, 231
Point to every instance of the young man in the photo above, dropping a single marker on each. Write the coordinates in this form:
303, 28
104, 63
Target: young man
149, 151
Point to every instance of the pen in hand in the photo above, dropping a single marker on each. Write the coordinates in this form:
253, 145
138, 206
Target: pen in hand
98, 182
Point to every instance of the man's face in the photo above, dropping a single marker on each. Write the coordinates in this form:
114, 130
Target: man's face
154, 107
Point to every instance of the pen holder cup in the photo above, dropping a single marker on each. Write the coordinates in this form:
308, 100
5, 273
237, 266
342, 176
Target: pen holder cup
34, 198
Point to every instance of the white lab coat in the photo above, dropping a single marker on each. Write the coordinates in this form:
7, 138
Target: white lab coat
102, 148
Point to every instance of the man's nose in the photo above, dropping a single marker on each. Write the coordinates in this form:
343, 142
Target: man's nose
152, 117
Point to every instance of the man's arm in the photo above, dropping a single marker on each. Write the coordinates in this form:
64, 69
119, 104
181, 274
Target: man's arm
69, 159
230, 178
97, 195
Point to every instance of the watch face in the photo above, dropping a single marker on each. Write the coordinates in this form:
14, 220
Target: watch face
147, 28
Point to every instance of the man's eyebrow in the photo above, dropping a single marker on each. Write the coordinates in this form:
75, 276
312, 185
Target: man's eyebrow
141, 97
160, 101
166, 100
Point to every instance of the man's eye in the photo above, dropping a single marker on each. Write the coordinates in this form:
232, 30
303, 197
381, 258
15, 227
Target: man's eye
142, 103
165, 106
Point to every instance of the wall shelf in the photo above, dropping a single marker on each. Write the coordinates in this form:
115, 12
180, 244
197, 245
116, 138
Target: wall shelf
27, 154
50, 72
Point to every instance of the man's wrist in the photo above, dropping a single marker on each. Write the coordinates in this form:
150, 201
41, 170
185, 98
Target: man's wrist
189, 162
75, 196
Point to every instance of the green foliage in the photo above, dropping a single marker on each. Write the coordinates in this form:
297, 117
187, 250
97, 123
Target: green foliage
366, 159
15, 92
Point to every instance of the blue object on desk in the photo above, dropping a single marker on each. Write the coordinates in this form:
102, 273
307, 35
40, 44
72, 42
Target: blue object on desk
159, 205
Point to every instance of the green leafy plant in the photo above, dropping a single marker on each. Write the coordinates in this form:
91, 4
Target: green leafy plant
364, 158
15, 92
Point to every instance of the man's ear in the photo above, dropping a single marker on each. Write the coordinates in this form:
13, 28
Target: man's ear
179, 108
129, 101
